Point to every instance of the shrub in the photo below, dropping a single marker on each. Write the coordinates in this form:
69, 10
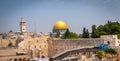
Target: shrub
100, 54
111, 51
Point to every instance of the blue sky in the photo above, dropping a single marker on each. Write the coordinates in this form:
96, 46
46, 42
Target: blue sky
44, 13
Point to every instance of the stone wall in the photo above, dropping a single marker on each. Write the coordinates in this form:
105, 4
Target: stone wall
4, 42
37, 45
6, 51
60, 45
112, 40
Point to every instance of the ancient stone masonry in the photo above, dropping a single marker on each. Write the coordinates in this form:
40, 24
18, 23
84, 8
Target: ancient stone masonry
58, 46
112, 40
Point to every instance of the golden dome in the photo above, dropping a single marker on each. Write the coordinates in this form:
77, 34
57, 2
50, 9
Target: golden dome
60, 25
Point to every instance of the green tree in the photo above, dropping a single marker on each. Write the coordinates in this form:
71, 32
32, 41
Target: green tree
111, 51
118, 35
69, 35
93, 35
80, 35
85, 33
110, 28
100, 54
57, 34
73, 35
66, 34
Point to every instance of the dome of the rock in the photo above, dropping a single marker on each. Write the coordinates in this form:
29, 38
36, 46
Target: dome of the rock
60, 25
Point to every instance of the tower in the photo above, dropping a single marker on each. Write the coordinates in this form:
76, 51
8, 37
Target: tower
22, 25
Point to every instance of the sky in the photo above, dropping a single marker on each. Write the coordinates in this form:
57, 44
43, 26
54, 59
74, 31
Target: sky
44, 13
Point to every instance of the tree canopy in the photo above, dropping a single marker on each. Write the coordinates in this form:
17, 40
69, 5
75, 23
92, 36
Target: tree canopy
110, 28
93, 35
111, 51
69, 35
57, 35
85, 33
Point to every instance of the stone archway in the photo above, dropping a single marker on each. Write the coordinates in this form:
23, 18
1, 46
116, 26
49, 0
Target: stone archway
20, 59
24, 59
10, 59
15, 59
43, 56
28, 59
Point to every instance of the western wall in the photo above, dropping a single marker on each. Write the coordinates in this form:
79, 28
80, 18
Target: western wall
60, 45
57, 46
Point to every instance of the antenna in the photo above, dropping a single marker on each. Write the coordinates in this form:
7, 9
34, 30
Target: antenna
35, 27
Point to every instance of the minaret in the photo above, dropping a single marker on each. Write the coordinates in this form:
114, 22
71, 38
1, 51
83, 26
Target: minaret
22, 25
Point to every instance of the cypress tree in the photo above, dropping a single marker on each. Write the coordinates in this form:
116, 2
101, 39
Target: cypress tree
85, 33
93, 35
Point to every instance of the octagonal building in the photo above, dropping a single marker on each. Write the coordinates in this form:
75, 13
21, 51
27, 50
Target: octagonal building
59, 26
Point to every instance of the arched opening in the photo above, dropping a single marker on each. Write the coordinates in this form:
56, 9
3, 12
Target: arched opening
15, 59
20, 59
108, 42
28, 59
10, 60
43, 56
24, 59
56, 49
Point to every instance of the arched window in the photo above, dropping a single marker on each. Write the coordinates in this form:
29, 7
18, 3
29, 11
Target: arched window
35, 46
44, 45
43, 56
44, 41
37, 41
20, 59
108, 42
40, 46
11, 60
24, 59
56, 49
28, 59
15, 59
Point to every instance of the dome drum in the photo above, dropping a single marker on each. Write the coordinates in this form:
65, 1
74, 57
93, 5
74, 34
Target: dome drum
59, 30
